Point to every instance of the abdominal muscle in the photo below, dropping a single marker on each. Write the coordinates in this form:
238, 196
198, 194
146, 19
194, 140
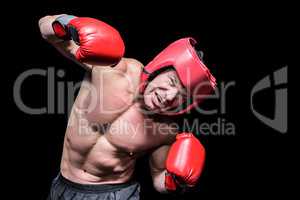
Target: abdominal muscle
92, 159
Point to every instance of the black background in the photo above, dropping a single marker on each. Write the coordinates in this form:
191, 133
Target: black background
242, 42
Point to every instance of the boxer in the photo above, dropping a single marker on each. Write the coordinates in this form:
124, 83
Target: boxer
123, 111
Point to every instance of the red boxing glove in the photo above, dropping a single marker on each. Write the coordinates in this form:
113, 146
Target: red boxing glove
185, 162
98, 41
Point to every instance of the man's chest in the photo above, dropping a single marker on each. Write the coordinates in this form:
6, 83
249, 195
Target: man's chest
134, 132
109, 111
104, 100
131, 132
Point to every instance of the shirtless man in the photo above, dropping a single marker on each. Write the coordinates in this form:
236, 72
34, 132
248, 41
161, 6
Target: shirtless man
122, 112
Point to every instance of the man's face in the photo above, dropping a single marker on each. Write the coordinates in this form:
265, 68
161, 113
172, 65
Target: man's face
164, 92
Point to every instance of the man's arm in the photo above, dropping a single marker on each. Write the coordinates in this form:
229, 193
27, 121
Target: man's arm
158, 168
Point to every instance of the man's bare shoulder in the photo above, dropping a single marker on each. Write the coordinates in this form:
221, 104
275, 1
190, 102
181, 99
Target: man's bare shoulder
133, 61
124, 65
166, 128
133, 64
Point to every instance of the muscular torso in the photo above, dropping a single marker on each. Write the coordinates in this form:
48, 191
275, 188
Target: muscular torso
106, 131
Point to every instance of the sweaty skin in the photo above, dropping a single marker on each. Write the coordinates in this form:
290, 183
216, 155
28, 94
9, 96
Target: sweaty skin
107, 131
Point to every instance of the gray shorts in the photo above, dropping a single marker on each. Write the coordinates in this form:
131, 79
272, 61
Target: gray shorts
63, 189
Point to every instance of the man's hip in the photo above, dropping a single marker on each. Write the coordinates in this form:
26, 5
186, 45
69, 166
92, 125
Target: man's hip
64, 189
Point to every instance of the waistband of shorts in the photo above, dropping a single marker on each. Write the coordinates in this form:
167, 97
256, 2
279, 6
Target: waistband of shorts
101, 188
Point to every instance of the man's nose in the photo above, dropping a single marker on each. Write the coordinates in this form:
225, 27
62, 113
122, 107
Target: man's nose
171, 94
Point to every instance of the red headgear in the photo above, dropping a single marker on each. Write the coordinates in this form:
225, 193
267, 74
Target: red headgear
193, 74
